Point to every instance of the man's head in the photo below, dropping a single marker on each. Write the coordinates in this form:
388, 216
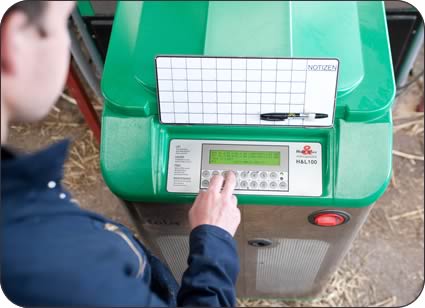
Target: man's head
34, 58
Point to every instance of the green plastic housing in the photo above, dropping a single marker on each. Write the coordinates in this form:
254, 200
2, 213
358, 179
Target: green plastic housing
356, 151
85, 8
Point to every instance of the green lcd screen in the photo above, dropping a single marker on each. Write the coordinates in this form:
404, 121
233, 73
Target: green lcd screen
258, 158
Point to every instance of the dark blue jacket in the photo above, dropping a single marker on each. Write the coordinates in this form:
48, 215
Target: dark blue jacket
55, 254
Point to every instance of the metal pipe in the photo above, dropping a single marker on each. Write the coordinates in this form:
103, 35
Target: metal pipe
84, 66
88, 42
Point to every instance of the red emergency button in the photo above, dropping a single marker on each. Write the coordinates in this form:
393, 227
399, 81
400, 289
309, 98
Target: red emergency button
328, 219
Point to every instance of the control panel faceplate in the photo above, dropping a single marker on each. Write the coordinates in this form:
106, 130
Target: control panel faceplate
261, 168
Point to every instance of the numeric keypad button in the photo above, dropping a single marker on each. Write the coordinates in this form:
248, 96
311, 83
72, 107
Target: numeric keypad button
243, 174
205, 183
263, 175
273, 175
253, 185
253, 174
273, 185
283, 185
263, 185
243, 184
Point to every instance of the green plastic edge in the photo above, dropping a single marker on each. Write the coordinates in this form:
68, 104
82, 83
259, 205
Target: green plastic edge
85, 8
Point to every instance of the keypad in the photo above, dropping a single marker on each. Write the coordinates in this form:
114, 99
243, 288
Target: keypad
251, 180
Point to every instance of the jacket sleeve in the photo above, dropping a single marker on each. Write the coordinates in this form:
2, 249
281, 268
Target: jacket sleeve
81, 273
213, 268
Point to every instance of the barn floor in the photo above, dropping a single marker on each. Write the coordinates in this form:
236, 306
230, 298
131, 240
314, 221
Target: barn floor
384, 267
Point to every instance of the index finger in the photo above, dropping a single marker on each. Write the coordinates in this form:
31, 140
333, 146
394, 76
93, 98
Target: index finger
216, 183
230, 184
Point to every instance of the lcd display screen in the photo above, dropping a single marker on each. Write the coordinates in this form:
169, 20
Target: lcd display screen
257, 158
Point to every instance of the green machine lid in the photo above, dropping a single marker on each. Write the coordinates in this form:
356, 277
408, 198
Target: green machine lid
342, 30
252, 29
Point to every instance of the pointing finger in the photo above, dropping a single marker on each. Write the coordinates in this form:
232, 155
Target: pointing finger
230, 184
216, 183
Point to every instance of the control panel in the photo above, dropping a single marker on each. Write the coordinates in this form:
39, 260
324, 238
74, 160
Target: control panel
262, 168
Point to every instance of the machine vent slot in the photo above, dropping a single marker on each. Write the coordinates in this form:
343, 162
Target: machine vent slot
175, 250
290, 266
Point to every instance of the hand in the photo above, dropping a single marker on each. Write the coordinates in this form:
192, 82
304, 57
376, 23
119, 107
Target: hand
217, 207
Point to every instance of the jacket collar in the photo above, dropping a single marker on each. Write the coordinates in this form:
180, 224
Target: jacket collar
32, 170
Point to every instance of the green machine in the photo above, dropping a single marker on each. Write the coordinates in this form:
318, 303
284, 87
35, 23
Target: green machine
303, 190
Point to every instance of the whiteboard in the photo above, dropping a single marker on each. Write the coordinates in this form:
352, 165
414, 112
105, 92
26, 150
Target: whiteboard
236, 90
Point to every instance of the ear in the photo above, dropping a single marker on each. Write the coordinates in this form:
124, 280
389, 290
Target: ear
13, 30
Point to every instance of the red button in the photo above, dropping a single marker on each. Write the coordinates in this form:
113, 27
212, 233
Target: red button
329, 219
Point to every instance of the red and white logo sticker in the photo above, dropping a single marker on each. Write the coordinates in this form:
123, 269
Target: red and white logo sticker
307, 150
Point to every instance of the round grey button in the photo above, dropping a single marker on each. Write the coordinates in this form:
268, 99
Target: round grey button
205, 173
244, 174
273, 185
243, 184
215, 172
263, 185
282, 185
253, 184
205, 183
254, 174
273, 175
226, 172
263, 175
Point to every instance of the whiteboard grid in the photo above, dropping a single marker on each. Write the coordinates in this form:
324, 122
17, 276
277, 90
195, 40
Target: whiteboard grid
209, 90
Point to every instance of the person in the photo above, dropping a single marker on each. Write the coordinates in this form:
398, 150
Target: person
52, 252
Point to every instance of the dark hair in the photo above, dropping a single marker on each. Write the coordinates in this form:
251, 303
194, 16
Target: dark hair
33, 9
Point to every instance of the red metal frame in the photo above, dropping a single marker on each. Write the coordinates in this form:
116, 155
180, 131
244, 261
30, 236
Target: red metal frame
77, 91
